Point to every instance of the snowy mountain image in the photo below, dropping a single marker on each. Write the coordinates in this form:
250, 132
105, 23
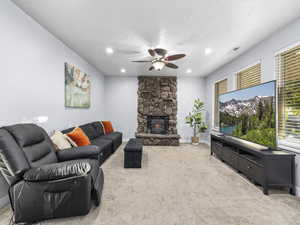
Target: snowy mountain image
249, 114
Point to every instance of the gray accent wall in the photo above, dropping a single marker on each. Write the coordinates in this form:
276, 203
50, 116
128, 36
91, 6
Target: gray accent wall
32, 77
265, 53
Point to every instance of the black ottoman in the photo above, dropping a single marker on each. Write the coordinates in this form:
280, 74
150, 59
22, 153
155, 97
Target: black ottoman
133, 153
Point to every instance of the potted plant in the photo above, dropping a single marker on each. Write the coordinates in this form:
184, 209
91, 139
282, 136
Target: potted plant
195, 120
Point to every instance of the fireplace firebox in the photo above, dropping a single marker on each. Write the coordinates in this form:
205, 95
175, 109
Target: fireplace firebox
158, 124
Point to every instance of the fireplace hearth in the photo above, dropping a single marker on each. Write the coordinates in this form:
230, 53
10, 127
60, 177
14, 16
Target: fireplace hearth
158, 124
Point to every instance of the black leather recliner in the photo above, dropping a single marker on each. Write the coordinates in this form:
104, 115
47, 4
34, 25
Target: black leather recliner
45, 184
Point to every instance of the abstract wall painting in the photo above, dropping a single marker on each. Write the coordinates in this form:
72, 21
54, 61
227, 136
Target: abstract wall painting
77, 88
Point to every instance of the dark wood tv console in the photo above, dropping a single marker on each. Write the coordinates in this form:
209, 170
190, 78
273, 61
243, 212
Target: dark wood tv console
269, 168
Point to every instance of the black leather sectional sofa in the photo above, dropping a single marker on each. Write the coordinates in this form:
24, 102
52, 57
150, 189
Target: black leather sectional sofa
45, 184
107, 143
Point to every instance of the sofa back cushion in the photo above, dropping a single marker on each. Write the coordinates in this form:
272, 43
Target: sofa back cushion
89, 131
13, 162
98, 128
68, 130
34, 142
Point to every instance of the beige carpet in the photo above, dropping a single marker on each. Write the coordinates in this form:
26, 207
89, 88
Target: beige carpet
182, 186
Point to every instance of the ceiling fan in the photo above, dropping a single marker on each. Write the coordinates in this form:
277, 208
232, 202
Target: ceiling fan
161, 59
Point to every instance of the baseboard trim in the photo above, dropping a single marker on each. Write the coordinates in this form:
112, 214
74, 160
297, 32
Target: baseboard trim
4, 201
181, 142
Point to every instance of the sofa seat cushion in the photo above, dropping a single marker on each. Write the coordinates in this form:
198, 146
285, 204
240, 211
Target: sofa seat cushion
103, 144
106, 146
115, 137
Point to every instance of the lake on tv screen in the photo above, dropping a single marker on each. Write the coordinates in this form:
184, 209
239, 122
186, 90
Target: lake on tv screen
250, 114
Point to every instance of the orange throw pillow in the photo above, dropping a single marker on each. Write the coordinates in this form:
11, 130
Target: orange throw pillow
79, 137
108, 128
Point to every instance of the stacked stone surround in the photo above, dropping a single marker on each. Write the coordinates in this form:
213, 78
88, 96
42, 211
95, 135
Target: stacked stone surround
159, 139
157, 96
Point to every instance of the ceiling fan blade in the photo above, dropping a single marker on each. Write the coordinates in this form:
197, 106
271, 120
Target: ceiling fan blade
142, 61
171, 65
160, 51
174, 57
151, 68
151, 52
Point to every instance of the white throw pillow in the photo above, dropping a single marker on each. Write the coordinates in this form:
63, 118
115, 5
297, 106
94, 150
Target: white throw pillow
60, 140
71, 141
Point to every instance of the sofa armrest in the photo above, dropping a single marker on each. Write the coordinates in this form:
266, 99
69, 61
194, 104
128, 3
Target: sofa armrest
57, 171
84, 152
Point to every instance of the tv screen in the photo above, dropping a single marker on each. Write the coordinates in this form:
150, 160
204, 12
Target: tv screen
250, 114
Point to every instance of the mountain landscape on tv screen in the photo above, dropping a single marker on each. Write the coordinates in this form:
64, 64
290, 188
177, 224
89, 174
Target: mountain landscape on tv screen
251, 119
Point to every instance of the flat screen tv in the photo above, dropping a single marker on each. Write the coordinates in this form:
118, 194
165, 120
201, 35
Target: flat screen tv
250, 114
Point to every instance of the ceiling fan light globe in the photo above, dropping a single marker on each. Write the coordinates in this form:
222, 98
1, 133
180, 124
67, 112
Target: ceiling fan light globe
158, 65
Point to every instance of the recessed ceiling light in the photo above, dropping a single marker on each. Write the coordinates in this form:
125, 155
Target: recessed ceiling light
109, 50
208, 51
123, 70
188, 71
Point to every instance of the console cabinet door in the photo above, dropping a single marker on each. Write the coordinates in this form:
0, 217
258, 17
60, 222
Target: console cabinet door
230, 156
233, 161
251, 170
217, 148
227, 152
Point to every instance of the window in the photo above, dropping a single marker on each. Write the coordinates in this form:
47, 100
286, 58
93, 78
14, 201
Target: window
288, 71
220, 88
249, 77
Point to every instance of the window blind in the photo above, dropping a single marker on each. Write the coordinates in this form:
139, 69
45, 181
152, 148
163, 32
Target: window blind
288, 72
220, 88
249, 77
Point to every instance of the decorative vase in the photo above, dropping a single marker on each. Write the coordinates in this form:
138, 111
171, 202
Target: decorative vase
195, 140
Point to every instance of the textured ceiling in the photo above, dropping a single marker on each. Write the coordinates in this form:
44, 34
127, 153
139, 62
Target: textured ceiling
131, 27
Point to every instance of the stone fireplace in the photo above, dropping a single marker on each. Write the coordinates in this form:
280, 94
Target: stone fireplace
157, 110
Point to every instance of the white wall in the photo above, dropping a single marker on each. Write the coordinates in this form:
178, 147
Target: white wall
121, 104
32, 76
189, 88
264, 52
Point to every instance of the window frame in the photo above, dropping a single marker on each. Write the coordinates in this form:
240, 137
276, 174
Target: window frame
215, 127
285, 144
236, 74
